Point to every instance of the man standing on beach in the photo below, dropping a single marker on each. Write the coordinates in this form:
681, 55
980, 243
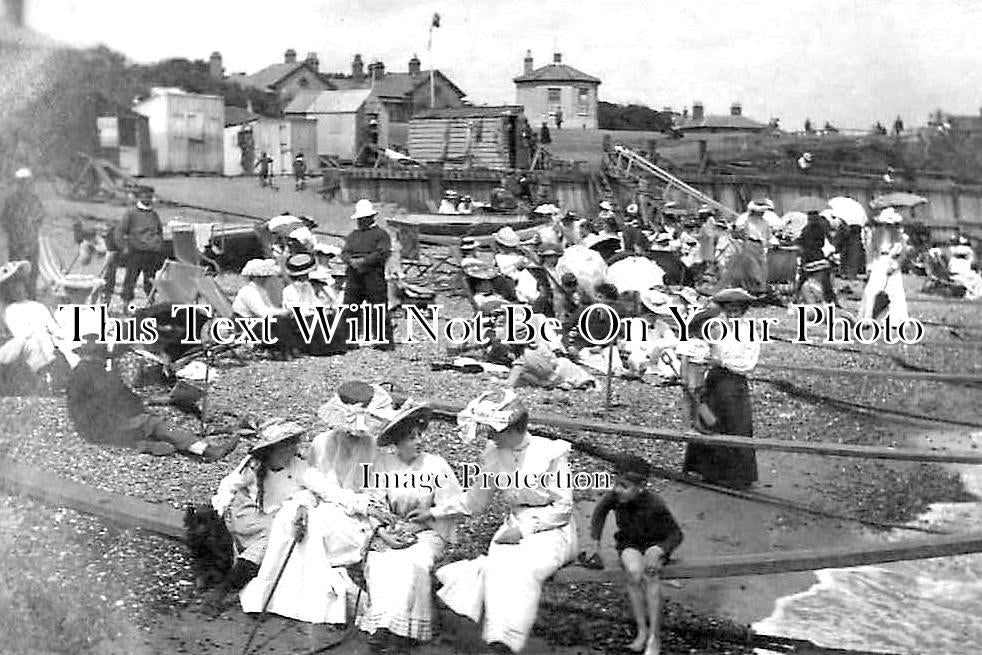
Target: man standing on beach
141, 242
365, 251
299, 172
21, 219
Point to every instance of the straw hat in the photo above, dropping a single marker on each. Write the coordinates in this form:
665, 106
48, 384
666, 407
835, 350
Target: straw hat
277, 432
359, 408
364, 209
632, 209
606, 206
12, 269
23, 174
733, 295
480, 271
889, 216
260, 268
760, 205
420, 412
507, 237
299, 264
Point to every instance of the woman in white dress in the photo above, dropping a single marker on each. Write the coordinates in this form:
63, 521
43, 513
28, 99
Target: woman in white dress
334, 510
398, 567
536, 539
885, 276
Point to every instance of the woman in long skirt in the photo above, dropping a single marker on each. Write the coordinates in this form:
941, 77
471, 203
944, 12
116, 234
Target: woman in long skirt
884, 295
536, 539
726, 393
398, 567
334, 510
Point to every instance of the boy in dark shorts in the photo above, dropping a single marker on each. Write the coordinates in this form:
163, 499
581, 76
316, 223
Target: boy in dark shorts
646, 536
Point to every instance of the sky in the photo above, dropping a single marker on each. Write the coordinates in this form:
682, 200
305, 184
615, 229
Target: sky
851, 62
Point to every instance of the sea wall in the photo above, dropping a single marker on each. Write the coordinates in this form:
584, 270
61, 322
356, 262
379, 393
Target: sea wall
949, 205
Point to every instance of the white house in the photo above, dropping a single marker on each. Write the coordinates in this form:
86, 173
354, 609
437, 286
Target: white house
557, 90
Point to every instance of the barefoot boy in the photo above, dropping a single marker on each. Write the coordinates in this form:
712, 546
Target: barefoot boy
646, 536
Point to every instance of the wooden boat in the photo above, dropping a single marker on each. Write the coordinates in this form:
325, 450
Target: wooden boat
459, 225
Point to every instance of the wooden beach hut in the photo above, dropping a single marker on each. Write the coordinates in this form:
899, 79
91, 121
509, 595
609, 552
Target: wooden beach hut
470, 137
186, 130
342, 120
283, 139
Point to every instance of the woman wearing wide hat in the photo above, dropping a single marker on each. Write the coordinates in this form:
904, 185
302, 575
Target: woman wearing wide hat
300, 293
724, 391
398, 568
538, 537
248, 498
334, 509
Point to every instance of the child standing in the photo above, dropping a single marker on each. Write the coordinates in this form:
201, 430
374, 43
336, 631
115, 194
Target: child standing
646, 537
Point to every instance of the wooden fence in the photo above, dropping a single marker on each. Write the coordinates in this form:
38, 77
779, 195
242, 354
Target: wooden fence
950, 205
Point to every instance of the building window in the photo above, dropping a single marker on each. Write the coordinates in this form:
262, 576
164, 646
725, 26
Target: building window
554, 99
583, 101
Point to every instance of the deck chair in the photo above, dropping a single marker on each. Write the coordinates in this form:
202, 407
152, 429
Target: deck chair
74, 286
186, 249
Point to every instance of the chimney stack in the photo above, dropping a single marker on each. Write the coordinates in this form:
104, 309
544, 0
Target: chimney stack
528, 62
736, 109
290, 56
357, 69
557, 58
697, 110
215, 69
379, 69
313, 61
414, 66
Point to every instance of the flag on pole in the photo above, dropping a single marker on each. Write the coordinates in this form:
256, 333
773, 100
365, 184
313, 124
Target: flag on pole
436, 20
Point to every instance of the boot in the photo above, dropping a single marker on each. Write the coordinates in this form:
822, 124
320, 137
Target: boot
216, 600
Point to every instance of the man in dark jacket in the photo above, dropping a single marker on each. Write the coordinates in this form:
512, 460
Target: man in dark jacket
21, 219
366, 251
105, 410
141, 242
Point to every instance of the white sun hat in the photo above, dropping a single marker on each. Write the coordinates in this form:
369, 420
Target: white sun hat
364, 209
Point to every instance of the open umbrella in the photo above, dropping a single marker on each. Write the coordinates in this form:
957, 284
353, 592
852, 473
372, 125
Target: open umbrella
793, 223
849, 211
635, 274
547, 209
809, 204
585, 264
897, 199
283, 225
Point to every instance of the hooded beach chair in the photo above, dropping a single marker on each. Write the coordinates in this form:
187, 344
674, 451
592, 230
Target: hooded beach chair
73, 286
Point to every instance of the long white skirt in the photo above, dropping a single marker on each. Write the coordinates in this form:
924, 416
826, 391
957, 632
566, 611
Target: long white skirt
399, 590
507, 583
881, 279
315, 585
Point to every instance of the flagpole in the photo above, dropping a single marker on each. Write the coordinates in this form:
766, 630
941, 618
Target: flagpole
432, 87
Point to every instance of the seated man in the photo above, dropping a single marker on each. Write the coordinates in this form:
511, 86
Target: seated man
105, 410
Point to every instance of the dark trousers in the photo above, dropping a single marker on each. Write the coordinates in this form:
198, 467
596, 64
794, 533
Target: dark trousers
28, 253
109, 275
139, 263
368, 286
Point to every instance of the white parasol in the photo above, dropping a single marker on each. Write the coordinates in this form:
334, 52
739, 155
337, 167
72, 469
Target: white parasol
635, 274
849, 211
586, 264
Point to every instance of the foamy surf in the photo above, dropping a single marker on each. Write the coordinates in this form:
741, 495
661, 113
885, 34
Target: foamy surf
927, 607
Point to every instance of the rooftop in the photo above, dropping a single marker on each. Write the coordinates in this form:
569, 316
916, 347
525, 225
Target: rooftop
271, 75
391, 85
472, 112
554, 72
328, 102
720, 122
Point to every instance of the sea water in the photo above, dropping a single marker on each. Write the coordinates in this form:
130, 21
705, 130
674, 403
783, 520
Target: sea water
927, 607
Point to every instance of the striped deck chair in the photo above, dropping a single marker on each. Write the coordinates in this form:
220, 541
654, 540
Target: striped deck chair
186, 248
77, 287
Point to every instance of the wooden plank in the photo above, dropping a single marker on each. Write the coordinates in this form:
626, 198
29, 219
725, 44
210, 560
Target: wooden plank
876, 373
167, 521
127, 511
724, 566
803, 447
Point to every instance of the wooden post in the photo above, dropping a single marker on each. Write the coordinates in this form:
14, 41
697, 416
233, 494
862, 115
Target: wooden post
610, 375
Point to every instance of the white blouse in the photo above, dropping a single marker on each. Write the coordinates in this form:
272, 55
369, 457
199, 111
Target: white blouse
534, 509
